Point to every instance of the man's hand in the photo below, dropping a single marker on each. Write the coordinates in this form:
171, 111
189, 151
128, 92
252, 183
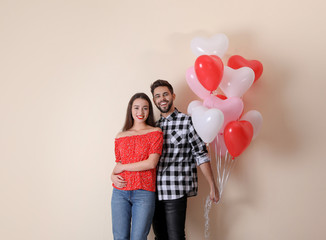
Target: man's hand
208, 173
214, 194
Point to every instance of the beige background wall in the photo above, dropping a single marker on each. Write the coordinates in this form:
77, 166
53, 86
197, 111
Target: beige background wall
69, 67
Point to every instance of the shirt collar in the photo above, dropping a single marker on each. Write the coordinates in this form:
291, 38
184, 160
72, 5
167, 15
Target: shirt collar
172, 116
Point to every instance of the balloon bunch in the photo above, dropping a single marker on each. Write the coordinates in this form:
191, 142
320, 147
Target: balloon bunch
218, 118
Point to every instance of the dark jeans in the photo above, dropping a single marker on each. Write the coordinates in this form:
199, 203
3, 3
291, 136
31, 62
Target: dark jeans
169, 219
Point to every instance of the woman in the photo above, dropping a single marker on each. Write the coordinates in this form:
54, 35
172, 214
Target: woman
137, 149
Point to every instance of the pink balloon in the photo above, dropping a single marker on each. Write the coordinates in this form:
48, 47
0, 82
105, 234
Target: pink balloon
231, 107
195, 85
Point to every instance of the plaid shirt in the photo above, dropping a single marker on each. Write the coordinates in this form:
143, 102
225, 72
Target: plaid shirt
183, 149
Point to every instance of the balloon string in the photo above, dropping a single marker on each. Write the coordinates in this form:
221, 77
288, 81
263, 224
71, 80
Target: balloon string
230, 164
219, 166
228, 167
225, 169
220, 169
208, 206
224, 164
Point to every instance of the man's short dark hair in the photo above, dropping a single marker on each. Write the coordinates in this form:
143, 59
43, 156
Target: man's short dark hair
161, 83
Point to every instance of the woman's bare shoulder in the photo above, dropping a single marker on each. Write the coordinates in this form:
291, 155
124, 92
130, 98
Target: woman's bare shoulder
155, 129
122, 134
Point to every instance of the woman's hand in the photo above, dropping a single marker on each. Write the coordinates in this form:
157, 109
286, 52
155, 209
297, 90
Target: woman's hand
118, 168
118, 181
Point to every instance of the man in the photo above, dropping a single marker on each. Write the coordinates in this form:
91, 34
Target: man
183, 151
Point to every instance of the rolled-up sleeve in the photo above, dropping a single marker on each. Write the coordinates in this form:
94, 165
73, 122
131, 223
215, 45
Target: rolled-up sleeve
198, 146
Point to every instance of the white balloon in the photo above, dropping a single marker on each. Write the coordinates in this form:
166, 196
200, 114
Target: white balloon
207, 122
256, 120
192, 105
216, 45
236, 82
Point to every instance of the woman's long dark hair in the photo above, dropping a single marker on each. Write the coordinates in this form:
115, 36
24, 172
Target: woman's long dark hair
129, 119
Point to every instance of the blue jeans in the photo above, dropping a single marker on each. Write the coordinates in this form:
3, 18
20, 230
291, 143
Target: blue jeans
132, 214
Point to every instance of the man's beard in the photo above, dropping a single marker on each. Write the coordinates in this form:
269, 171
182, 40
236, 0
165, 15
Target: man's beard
168, 108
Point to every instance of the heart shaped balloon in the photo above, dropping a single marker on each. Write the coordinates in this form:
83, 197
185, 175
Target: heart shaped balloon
237, 136
215, 45
237, 61
195, 85
192, 105
236, 82
209, 71
256, 120
231, 107
207, 122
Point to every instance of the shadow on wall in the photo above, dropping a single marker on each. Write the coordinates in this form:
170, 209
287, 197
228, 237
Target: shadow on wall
267, 96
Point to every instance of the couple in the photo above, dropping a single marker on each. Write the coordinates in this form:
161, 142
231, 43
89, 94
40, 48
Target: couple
156, 168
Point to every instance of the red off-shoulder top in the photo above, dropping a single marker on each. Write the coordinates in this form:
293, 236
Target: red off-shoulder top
136, 148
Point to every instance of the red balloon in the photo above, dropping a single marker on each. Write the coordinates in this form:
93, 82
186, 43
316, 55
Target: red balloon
209, 70
237, 62
237, 136
221, 96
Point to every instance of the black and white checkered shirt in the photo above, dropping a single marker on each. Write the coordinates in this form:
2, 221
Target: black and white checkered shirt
183, 150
